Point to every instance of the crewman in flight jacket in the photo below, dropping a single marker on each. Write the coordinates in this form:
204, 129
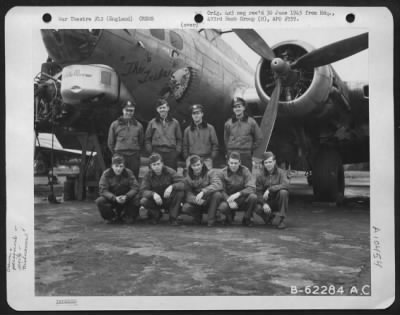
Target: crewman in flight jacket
200, 138
164, 136
161, 188
118, 188
203, 191
272, 187
241, 133
126, 136
239, 191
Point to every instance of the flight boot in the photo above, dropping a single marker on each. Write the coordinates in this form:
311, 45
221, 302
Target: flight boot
281, 224
247, 222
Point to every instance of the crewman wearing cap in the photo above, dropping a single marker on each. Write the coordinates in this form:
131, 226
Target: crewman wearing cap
200, 138
242, 133
161, 188
272, 187
164, 136
239, 191
203, 191
118, 189
126, 136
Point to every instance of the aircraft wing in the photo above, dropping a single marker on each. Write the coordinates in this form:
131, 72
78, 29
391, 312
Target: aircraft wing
44, 140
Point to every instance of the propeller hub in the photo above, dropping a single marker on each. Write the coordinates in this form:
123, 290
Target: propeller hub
280, 66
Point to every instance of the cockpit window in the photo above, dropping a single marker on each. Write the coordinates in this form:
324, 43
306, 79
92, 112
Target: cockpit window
158, 33
176, 40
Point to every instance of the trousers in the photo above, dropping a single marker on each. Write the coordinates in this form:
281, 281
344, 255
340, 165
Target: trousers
245, 203
210, 205
278, 202
112, 210
172, 204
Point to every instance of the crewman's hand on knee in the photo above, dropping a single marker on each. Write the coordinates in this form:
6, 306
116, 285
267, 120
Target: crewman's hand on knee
266, 194
233, 205
267, 208
168, 191
157, 198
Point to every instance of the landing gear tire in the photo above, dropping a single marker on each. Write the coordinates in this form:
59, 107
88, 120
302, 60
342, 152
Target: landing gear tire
328, 177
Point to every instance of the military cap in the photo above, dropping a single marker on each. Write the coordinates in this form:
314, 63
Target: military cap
234, 155
154, 157
194, 159
267, 155
128, 103
196, 107
117, 159
239, 101
161, 102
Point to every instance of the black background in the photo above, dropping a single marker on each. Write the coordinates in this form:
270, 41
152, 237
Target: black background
393, 6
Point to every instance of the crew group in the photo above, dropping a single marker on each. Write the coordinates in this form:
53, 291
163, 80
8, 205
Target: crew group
219, 193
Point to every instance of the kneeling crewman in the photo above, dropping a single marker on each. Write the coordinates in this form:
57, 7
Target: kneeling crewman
203, 191
118, 190
239, 190
272, 187
161, 187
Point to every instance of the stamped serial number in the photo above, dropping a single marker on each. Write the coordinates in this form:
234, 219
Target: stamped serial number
66, 301
330, 290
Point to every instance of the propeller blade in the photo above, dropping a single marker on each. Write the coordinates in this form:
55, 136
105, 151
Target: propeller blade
268, 120
251, 38
332, 52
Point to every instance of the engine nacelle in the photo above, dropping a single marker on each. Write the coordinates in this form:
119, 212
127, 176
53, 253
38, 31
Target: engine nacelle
302, 91
97, 84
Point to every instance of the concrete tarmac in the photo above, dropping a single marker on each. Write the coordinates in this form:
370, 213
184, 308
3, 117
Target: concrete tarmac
324, 248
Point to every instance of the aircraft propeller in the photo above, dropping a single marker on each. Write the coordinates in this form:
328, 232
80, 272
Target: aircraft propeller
283, 68
255, 42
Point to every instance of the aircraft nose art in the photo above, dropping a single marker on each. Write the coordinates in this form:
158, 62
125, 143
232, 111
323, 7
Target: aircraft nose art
70, 45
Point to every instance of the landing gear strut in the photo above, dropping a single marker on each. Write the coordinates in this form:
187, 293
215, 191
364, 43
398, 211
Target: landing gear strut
308, 175
328, 176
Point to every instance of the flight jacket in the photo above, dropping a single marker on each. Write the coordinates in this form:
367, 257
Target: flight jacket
112, 185
125, 136
207, 182
242, 181
201, 140
274, 181
242, 135
164, 135
151, 183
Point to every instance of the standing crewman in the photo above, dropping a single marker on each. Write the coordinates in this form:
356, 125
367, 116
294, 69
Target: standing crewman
200, 138
161, 188
241, 133
164, 135
203, 191
239, 190
272, 187
126, 136
118, 190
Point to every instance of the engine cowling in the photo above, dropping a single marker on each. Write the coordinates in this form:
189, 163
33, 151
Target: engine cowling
303, 91
95, 84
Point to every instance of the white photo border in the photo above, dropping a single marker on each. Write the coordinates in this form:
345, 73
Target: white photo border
20, 22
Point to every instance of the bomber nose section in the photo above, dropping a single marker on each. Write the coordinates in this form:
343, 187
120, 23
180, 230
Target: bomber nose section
72, 45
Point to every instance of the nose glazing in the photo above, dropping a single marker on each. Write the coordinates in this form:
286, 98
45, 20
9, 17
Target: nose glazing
70, 45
